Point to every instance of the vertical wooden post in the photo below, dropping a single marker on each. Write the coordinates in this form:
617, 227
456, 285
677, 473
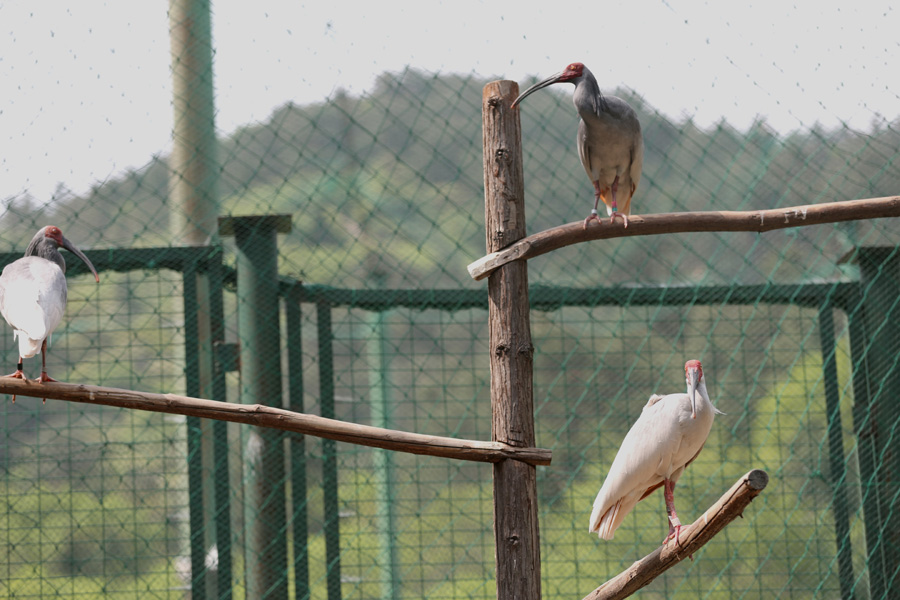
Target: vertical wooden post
516, 535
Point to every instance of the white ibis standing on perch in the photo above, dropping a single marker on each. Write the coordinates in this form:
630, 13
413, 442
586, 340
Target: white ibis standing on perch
609, 141
664, 440
33, 294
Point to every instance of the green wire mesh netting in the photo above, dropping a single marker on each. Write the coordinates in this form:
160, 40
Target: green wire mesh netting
385, 193
94, 497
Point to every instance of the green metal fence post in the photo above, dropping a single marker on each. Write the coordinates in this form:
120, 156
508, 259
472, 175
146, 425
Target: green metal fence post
837, 456
382, 460
194, 160
198, 525
222, 474
293, 316
875, 344
260, 353
193, 197
329, 452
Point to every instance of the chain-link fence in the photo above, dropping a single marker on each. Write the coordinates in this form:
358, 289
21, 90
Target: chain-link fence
381, 324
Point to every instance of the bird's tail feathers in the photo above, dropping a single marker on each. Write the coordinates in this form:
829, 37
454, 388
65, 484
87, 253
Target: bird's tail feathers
28, 347
605, 525
606, 518
624, 205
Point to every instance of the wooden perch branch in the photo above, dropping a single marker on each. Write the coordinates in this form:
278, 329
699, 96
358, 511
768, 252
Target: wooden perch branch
277, 418
685, 222
691, 539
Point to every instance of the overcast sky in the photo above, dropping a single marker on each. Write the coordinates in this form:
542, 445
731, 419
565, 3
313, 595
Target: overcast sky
86, 85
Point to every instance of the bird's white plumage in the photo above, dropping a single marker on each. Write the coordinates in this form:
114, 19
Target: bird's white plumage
32, 300
33, 295
661, 443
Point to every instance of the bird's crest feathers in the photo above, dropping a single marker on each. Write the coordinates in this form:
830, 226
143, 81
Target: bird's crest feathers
653, 400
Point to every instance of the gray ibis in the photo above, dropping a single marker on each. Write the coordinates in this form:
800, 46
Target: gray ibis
664, 440
609, 141
33, 294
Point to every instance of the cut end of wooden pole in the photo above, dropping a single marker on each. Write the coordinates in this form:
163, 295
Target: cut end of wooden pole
757, 479
499, 89
482, 267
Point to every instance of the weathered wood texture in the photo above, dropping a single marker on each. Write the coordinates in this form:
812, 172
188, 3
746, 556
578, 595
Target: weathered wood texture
685, 222
692, 537
277, 418
516, 534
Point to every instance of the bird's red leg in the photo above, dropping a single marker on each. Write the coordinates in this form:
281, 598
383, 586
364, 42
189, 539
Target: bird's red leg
615, 207
44, 377
19, 374
594, 216
674, 522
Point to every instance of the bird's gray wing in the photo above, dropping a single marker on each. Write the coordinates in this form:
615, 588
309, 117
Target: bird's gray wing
584, 150
637, 160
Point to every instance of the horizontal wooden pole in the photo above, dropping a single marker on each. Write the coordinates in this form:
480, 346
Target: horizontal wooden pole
691, 538
687, 222
277, 418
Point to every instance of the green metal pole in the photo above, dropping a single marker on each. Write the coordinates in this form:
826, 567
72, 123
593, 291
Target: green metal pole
221, 449
382, 460
294, 318
198, 525
866, 451
837, 456
194, 204
875, 344
259, 335
194, 159
329, 453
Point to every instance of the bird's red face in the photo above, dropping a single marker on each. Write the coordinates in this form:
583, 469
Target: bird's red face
54, 233
693, 365
573, 71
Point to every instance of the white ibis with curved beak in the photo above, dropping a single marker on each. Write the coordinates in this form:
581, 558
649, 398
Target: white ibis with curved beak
33, 294
609, 141
664, 440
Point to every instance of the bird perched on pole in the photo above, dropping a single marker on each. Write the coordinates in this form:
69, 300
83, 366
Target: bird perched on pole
609, 141
664, 440
33, 294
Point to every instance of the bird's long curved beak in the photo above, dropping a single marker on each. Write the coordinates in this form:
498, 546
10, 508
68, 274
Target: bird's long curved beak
539, 85
71, 248
693, 381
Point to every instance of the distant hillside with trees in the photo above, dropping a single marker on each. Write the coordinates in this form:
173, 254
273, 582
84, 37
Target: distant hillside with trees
386, 189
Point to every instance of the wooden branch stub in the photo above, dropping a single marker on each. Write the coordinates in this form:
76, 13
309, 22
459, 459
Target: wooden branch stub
687, 222
278, 418
504, 179
692, 537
